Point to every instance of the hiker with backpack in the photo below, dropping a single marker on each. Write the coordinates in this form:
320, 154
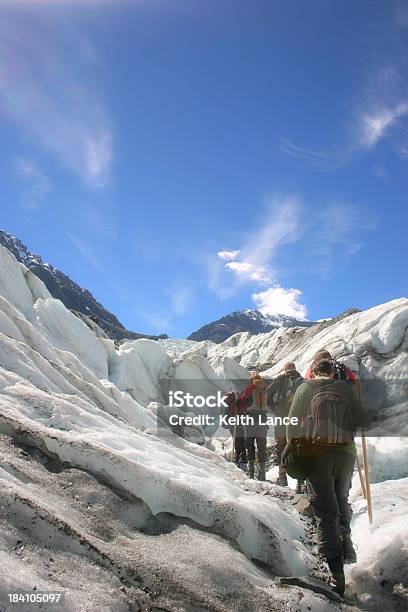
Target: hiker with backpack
253, 401
321, 448
237, 431
280, 396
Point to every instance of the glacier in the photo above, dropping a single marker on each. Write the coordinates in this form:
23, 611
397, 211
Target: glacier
100, 505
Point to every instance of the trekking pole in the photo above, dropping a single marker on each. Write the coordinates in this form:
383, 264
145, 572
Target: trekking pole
367, 478
365, 463
360, 473
234, 435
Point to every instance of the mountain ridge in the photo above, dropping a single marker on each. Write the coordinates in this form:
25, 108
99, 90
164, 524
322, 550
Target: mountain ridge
246, 320
73, 296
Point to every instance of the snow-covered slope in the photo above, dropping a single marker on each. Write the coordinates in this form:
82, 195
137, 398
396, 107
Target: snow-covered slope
87, 485
98, 503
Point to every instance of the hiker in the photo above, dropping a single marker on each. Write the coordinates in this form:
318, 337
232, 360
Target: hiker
280, 395
326, 450
253, 401
237, 431
340, 370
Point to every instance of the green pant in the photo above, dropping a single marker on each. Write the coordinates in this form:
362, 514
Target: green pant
328, 488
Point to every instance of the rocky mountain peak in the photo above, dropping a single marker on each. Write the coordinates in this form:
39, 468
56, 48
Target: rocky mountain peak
247, 320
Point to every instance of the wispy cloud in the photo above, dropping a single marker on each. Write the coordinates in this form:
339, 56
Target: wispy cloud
279, 225
255, 262
277, 300
335, 235
180, 302
46, 88
374, 126
181, 299
381, 110
160, 321
378, 107
310, 158
85, 250
370, 125
338, 235
99, 219
36, 184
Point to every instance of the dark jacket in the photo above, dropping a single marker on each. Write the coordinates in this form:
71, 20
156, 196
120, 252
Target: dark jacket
276, 392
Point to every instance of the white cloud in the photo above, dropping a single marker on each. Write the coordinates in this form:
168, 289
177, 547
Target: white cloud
46, 88
277, 300
373, 126
332, 238
84, 250
36, 184
228, 255
278, 225
247, 271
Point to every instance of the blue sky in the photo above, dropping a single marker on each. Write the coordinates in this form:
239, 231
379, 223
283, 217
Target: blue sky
185, 158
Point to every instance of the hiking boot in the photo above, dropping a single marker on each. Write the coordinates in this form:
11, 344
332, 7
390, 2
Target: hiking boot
261, 472
349, 553
299, 487
251, 468
282, 480
242, 465
337, 571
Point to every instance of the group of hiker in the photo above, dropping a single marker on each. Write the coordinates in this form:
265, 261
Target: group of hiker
319, 450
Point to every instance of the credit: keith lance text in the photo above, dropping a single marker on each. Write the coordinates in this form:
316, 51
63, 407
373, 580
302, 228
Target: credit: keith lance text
204, 420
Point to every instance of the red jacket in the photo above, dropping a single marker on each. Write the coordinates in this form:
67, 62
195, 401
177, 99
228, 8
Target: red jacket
246, 392
242, 400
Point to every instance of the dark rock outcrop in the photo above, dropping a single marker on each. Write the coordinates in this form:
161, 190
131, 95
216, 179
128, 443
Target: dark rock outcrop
70, 293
